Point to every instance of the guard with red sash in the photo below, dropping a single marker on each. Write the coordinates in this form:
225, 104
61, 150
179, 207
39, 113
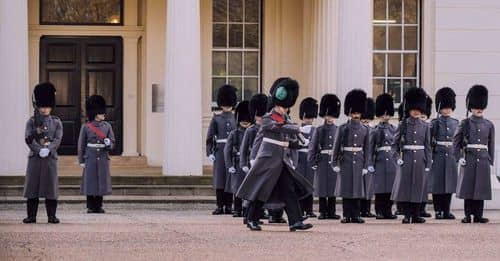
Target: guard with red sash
94, 144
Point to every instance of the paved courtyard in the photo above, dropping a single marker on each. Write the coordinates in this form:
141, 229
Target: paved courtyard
174, 232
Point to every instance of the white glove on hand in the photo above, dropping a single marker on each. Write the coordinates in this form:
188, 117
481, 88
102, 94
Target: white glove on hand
232, 170
306, 142
107, 142
336, 169
211, 157
364, 172
462, 161
306, 129
400, 162
371, 169
314, 167
44, 152
252, 162
245, 169
427, 169
82, 165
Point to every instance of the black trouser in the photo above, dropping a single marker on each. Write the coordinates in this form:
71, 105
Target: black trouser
383, 204
365, 205
238, 204
50, 206
306, 204
327, 205
442, 202
94, 202
411, 209
351, 207
223, 199
474, 207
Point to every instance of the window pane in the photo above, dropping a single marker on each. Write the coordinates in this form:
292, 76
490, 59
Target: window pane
235, 35
92, 12
251, 63
236, 82
235, 60
252, 11
394, 65
395, 10
252, 35
409, 83
379, 64
218, 63
219, 10
235, 10
394, 89
63, 81
216, 83
410, 65
411, 38
101, 83
378, 87
411, 12
379, 38
251, 88
219, 36
395, 38
379, 9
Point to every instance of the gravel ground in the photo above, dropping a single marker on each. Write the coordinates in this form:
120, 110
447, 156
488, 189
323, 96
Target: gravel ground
174, 232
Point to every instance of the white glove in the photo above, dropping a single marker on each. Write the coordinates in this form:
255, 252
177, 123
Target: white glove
107, 142
245, 169
462, 161
306, 129
306, 142
364, 172
252, 162
371, 169
400, 162
315, 167
44, 152
336, 169
427, 169
82, 165
211, 157
232, 170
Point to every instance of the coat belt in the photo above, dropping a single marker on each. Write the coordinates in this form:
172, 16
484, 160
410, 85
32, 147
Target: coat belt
305, 150
352, 149
413, 147
384, 148
96, 145
221, 141
276, 142
477, 146
444, 143
329, 152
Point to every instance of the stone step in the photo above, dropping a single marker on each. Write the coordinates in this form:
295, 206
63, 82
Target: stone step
122, 199
122, 180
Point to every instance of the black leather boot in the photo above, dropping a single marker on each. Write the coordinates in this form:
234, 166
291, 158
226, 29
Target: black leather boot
406, 220
51, 206
32, 209
417, 220
466, 219
218, 211
480, 219
254, 226
323, 215
300, 226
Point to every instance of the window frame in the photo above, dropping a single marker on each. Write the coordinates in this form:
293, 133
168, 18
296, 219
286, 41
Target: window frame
41, 22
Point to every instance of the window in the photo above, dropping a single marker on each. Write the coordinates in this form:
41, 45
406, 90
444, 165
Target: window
236, 46
396, 46
81, 12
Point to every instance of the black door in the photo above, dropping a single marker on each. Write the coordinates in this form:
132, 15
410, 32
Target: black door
80, 67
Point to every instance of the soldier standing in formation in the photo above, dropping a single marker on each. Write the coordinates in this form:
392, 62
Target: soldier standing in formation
218, 131
308, 113
351, 157
43, 136
366, 118
94, 144
384, 157
474, 144
444, 171
426, 118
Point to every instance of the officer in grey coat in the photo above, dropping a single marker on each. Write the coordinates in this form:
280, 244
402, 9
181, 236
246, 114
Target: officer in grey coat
273, 176
320, 151
413, 142
218, 131
384, 156
365, 203
43, 136
351, 157
474, 144
232, 153
444, 171
426, 117
308, 111
95, 142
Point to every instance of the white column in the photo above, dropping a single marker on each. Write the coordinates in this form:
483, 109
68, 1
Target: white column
182, 116
14, 75
130, 96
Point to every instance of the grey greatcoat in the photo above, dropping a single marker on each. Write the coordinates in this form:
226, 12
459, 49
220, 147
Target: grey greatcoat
41, 173
444, 170
474, 178
247, 145
304, 166
232, 157
221, 125
411, 178
272, 161
96, 179
368, 179
320, 150
350, 181
385, 161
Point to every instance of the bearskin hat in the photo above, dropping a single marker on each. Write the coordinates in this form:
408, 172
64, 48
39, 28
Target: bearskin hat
44, 95
258, 105
445, 98
242, 112
308, 108
384, 105
415, 99
355, 102
226, 96
95, 105
285, 94
369, 113
477, 97
329, 106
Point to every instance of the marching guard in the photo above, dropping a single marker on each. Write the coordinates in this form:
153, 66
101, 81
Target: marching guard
43, 136
365, 204
474, 144
218, 131
95, 142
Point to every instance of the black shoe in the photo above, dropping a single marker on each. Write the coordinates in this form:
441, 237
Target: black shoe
254, 226
367, 215
311, 215
237, 214
380, 216
323, 216
425, 215
300, 226
345, 220
357, 220
466, 220
29, 220
276, 220
228, 211
54, 220
304, 218
418, 220
406, 220
480, 220
218, 211
391, 216
448, 216
333, 216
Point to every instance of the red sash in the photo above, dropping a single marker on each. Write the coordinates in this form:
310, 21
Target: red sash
96, 130
278, 118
